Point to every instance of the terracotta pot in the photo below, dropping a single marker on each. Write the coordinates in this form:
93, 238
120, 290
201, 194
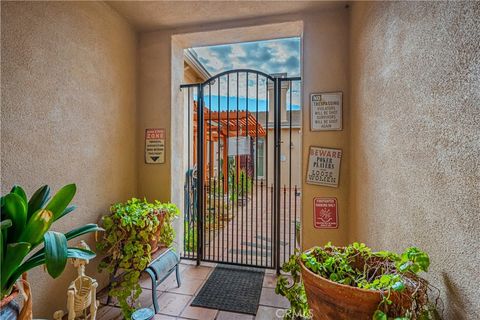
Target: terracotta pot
334, 301
156, 236
9, 309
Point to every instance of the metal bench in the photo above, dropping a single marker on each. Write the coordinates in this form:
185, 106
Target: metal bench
159, 269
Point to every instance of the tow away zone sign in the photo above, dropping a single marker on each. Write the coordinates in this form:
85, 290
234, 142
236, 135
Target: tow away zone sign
155, 145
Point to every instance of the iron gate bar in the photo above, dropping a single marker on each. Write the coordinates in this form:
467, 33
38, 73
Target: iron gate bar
200, 179
276, 169
256, 172
228, 164
236, 171
290, 175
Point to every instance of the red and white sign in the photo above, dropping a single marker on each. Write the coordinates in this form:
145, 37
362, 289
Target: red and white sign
325, 213
154, 145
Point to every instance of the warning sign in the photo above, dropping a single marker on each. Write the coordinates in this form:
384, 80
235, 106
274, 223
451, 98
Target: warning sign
326, 111
324, 166
154, 145
325, 213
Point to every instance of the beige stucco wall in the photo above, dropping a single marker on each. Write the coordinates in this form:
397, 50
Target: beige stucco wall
415, 137
68, 114
325, 68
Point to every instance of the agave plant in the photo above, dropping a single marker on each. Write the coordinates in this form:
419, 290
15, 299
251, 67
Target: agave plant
24, 226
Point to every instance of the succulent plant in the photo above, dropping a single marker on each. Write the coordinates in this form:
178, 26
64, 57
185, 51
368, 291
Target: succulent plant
25, 225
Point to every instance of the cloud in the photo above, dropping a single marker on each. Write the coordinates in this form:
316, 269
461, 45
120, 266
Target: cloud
273, 56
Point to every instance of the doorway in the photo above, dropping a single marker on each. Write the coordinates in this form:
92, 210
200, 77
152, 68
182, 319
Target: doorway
241, 204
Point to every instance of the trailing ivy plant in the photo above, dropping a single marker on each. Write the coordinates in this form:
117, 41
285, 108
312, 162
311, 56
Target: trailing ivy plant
129, 229
396, 276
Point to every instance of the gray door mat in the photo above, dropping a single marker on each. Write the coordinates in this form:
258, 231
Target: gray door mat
232, 288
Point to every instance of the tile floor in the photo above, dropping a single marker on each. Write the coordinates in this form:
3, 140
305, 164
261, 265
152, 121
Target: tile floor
175, 302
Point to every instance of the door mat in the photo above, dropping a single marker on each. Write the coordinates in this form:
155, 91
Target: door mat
232, 288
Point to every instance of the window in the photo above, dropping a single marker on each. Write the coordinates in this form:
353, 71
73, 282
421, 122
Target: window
260, 148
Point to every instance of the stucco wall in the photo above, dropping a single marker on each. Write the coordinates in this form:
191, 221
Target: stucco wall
325, 69
415, 137
68, 114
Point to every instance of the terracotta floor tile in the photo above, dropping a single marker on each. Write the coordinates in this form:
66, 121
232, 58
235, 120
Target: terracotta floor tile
163, 317
195, 272
109, 313
169, 283
173, 304
270, 281
271, 299
189, 286
198, 313
225, 315
269, 313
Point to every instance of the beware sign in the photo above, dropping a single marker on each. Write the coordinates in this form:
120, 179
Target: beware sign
154, 145
324, 166
325, 213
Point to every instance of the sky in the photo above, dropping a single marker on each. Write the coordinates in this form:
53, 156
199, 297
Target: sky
272, 56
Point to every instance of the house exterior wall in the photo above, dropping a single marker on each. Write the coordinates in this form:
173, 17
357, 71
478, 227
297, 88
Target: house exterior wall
295, 157
415, 137
68, 115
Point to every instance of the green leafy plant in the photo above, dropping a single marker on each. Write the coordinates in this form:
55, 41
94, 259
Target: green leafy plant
129, 230
167, 233
239, 188
405, 295
293, 290
25, 225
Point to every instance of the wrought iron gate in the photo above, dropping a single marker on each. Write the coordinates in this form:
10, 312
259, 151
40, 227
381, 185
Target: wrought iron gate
241, 206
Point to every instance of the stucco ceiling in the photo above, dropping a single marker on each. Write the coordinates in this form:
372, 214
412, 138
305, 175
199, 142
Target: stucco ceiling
153, 15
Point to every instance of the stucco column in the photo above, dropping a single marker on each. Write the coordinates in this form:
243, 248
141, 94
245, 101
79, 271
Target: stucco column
283, 99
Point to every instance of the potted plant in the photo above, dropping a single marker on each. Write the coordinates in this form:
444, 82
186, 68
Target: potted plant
132, 229
25, 225
353, 282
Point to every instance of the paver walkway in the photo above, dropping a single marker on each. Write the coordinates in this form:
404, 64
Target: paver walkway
244, 234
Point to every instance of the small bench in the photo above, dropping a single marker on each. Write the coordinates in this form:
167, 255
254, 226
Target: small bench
159, 269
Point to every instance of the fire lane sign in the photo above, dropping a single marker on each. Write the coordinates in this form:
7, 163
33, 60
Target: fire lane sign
155, 146
324, 166
325, 213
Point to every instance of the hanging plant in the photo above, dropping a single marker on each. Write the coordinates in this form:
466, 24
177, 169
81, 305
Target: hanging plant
130, 230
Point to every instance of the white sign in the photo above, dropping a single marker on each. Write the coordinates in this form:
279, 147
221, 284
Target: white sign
324, 166
326, 111
154, 145
242, 143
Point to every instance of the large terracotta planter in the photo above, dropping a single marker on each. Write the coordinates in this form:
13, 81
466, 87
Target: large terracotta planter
9, 309
334, 301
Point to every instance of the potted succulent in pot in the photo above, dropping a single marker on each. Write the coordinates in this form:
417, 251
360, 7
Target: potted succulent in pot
25, 226
353, 282
133, 231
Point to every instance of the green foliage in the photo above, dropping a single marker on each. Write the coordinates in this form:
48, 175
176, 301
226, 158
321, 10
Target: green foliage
167, 234
190, 237
129, 229
25, 224
293, 291
395, 276
240, 187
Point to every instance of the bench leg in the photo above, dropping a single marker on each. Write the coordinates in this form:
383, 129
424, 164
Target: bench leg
154, 291
177, 273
